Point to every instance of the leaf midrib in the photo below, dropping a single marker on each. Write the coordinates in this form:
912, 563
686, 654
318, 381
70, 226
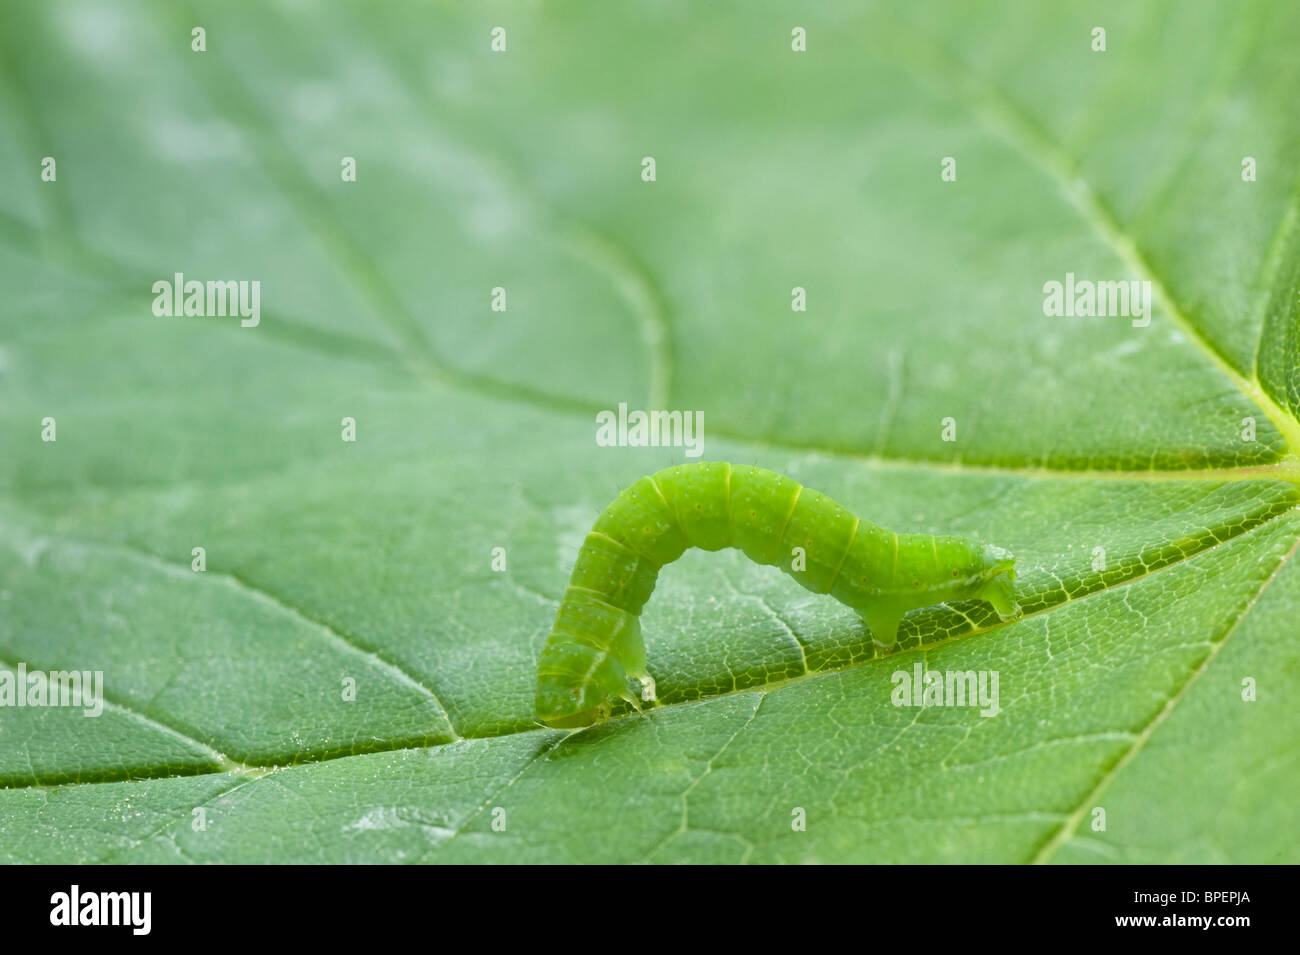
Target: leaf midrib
90, 263
257, 768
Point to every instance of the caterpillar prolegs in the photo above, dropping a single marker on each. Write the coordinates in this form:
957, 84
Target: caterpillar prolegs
595, 653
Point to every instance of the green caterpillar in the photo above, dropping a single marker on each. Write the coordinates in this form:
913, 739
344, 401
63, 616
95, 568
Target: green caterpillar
595, 653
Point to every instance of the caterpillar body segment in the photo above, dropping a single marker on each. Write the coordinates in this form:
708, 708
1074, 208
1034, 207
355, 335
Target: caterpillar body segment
595, 653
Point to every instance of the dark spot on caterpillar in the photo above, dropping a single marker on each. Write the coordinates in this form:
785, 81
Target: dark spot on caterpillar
954, 573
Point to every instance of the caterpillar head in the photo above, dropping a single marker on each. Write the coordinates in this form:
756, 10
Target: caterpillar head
968, 570
995, 581
930, 570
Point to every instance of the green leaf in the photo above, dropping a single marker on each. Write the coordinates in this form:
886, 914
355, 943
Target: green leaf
1152, 681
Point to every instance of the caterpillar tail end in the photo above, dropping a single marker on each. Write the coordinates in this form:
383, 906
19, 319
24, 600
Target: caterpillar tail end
569, 721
